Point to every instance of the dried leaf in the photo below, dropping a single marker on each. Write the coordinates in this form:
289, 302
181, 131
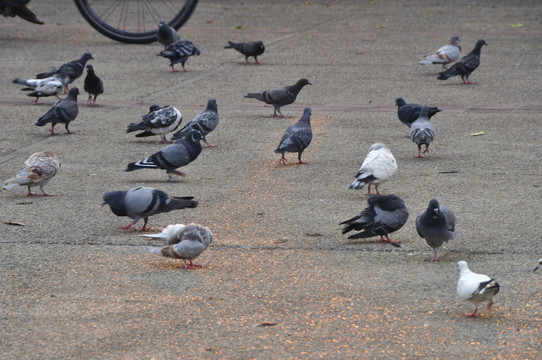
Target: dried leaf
516, 25
265, 323
478, 133
238, 27
16, 223
280, 241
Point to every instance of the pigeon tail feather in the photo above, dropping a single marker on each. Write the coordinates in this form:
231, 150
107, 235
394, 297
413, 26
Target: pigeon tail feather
444, 75
257, 96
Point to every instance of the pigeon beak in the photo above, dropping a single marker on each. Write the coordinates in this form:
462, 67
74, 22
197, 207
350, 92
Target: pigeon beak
309, 83
104, 203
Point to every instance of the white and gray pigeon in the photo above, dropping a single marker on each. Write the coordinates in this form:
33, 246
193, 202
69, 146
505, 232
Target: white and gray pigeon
68, 72
93, 85
183, 242
165, 34
379, 165
436, 225
408, 113
63, 111
281, 96
181, 153
422, 131
38, 170
41, 87
251, 48
466, 65
539, 265
297, 137
158, 121
384, 215
179, 52
445, 54
205, 122
475, 288
142, 202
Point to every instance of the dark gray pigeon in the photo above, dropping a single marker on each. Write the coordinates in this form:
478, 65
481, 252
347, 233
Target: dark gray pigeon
384, 215
422, 131
436, 225
68, 72
182, 152
297, 137
63, 111
142, 202
93, 85
408, 113
205, 122
165, 34
281, 96
41, 87
466, 65
179, 52
159, 121
252, 48
182, 242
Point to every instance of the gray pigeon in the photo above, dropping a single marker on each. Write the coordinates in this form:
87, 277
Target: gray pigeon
466, 65
63, 111
281, 96
183, 242
205, 122
159, 121
93, 85
252, 48
408, 113
437, 225
475, 288
182, 152
422, 131
68, 72
179, 52
165, 34
384, 215
297, 137
142, 202
445, 54
41, 87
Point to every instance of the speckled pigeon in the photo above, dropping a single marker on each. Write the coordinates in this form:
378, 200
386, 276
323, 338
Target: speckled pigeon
179, 52
205, 122
41, 87
159, 121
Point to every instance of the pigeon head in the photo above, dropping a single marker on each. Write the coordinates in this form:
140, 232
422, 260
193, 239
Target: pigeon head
539, 265
306, 118
260, 45
86, 57
90, 68
424, 112
154, 108
480, 43
462, 266
74, 92
161, 24
115, 200
400, 102
376, 146
434, 208
302, 82
456, 42
211, 105
193, 136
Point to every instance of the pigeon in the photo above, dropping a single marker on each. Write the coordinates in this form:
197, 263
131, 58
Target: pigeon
444, 55
281, 96
183, 242
179, 52
159, 121
142, 202
205, 122
182, 152
422, 131
63, 111
436, 224
93, 85
379, 165
539, 265
38, 170
252, 48
68, 72
41, 87
466, 65
408, 113
165, 34
297, 137
475, 288
384, 215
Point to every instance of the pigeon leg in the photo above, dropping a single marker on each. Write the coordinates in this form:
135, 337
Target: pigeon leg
43, 191
68, 130
191, 265
164, 140
89, 100
299, 158
30, 193
66, 90
434, 258
205, 141
490, 306
184, 69
36, 101
376, 188
386, 239
369, 190
281, 114
256, 59
129, 225
419, 151
53, 129
144, 228
94, 101
473, 314
426, 149
246, 60
283, 159
173, 68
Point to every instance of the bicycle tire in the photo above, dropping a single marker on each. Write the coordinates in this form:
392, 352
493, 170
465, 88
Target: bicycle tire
119, 33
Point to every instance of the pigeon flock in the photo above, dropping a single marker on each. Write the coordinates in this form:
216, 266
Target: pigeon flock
384, 214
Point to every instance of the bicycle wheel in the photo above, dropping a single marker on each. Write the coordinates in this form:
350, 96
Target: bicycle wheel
134, 21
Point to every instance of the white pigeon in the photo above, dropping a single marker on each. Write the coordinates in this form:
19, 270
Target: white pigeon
475, 288
539, 265
38, 170
183, 242
379, 165
50, 86
445, 54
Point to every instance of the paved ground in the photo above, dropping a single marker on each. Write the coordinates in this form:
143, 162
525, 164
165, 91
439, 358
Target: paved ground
73, 286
